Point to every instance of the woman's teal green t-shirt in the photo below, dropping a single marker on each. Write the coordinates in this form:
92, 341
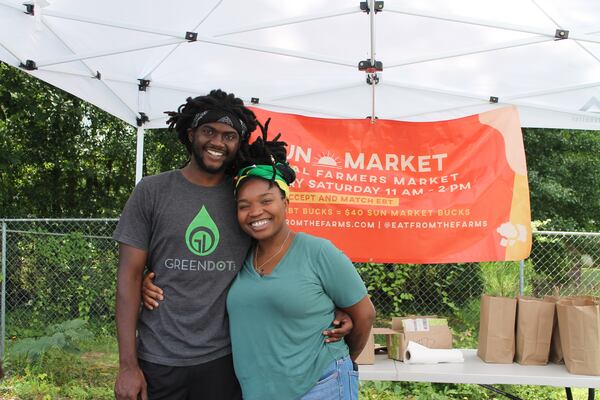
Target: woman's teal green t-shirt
277, 321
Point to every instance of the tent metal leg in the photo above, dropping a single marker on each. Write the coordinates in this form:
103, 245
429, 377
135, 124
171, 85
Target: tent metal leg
502, 392
591, 393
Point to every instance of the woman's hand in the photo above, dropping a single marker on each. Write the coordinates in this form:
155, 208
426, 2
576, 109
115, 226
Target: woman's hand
343, 326
151, 294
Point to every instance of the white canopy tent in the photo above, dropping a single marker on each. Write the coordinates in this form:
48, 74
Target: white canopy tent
410, 60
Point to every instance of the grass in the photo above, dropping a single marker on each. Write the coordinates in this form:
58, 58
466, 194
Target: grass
436, 391
62, 375
91, 373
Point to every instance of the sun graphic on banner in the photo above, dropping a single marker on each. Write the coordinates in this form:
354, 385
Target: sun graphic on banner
328, 160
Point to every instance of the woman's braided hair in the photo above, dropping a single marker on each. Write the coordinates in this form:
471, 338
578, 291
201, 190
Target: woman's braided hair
182, 119
266, 152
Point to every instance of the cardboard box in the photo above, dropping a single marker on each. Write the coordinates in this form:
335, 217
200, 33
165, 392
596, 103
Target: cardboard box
367, 356
429, 331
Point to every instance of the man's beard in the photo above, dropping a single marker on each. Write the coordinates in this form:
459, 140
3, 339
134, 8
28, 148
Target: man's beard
225, 165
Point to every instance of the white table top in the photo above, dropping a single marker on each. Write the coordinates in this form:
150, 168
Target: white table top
475, 371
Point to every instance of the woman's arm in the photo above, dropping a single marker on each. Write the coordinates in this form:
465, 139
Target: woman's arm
151, 294
363, 315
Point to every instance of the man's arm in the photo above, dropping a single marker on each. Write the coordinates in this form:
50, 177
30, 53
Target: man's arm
342, 327
363, 315
130, 380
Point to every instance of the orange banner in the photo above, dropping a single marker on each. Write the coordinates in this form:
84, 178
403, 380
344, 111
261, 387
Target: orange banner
411, 192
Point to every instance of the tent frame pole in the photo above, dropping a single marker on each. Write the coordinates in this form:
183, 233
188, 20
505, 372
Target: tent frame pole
586, 37
472, 51
373, 80
139, 155
290, 21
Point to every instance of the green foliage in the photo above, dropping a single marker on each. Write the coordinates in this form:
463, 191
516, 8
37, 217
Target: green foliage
60, 374
563, 265
90, 376
464, 325
502, 278
407, 289
59, 156
76, 280
387, 284
30, 387
162, 151
454, 285
64, 336
564, 183
63, 157
375, 390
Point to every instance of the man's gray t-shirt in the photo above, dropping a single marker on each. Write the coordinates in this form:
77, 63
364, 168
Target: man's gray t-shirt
196, 247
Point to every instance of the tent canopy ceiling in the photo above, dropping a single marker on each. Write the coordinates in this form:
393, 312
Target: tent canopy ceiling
440, 59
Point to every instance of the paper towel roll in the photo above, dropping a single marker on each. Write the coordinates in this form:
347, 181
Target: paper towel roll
418, 354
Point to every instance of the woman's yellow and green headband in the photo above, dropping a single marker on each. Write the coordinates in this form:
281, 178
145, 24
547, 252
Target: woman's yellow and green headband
265, 172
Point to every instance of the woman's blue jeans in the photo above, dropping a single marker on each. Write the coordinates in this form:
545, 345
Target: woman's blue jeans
339, 381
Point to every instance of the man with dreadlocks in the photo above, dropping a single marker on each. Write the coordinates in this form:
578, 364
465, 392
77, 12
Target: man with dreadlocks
181, 226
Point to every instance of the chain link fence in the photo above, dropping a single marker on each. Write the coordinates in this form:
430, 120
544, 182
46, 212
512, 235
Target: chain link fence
58, 270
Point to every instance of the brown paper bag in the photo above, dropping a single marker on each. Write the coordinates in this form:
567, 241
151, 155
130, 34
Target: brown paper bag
534, 330
579, 325
497, 329
556, 353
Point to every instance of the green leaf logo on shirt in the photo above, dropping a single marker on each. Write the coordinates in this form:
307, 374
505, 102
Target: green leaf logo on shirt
202, 235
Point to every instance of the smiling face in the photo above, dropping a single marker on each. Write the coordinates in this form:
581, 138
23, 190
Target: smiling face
214, 146
261, 208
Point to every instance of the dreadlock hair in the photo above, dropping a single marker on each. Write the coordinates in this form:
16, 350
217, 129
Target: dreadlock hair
182, 119
266, 152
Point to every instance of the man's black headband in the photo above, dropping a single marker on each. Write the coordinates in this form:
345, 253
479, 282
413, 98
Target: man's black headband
224, 117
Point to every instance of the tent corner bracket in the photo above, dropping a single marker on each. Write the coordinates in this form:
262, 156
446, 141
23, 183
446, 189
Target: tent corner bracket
29, 8
191, 36
373, 119
142, 119
143, 84
29, 65
561, 34
370, 66
364, 6
372, 78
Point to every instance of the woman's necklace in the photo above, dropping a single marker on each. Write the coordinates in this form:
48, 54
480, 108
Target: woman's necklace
259, 268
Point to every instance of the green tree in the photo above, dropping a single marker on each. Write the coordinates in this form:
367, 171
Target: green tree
63, 157
564, 181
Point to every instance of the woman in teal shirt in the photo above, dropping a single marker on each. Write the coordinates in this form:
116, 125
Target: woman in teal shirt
286, 294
